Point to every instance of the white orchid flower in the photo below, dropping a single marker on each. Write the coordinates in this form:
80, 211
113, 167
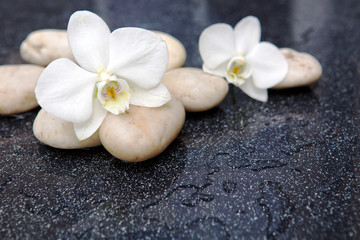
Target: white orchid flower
239, 56
114, 70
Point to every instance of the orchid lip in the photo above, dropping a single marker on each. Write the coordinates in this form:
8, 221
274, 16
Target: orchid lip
238, 69
114, 95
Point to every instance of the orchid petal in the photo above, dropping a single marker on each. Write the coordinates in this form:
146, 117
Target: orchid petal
269, 66
247, 34
217, 45
65, 90
84, 130
219, 71
254, 92
88, 37
154, 97
138, 56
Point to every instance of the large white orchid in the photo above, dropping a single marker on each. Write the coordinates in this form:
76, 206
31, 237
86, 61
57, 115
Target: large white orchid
114, 70
239, 56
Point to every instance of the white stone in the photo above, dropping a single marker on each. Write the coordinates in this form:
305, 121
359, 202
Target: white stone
58, 133
41, 47
177, 52
17, 86
143, 132
197, 90
304, 69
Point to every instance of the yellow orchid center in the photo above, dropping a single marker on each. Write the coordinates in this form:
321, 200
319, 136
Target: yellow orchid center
111, 92
238, 69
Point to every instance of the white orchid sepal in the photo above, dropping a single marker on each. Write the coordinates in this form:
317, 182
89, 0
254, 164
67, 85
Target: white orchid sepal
113, 70
239, 56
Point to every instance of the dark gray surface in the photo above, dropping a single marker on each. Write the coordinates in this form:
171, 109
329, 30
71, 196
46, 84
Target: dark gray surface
288, 168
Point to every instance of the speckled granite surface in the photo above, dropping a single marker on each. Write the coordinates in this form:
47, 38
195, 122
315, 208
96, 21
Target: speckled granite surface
285, 169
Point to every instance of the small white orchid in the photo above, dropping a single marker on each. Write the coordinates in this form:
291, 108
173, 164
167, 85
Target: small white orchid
114, 70
239, 56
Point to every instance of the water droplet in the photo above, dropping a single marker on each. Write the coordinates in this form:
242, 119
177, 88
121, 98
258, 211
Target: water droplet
229, 186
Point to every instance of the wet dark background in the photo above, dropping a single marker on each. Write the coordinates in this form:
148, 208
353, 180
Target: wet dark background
288, 168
